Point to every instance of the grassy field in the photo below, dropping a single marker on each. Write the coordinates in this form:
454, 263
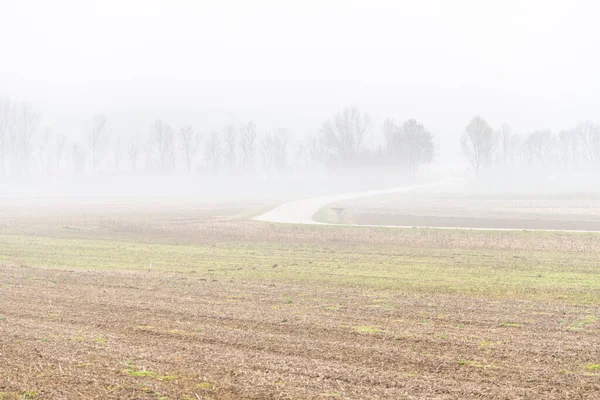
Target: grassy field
178, 301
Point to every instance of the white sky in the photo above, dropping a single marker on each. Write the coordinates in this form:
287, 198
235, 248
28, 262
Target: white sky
532, 63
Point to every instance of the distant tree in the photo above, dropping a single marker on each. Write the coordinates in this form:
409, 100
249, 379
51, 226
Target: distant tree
230, 141
248, 145
539, 146
506, 140
345, 134
566, 147
478, 144
97, 138
267, 150
419, 143
273, 148
189, 140
409, 143
25, 123
300, 156
213, 150
390, 127
281, 142
516, 145
579, 152
163, 139
41, 151
589, 135
314, 151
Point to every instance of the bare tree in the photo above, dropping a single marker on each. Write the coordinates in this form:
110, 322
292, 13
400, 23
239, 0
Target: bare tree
515, 151
300, 156
163, 137
189, 140
267, 150
230, 139
273, 148
344, 136
281, 142
25, 123
478, 143
248, 145
212, 150
41, 151
505, 140
539, 147
578, 146
568, 147
390, 128
314, 151
589, 134
97, 139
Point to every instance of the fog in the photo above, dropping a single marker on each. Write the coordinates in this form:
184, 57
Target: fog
277, 199
288, 69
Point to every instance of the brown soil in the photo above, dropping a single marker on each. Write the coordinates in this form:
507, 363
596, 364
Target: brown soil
475, 223
575, 212
147, 335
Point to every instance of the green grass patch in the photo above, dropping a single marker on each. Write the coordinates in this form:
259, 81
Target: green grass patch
368, 330
132, 370
512, 325
204, 385
540, 275
141, 373
583, 323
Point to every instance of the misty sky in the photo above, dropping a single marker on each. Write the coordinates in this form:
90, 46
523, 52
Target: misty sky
531, 63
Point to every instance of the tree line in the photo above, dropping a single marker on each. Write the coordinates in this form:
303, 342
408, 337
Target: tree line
486, 148
345, 140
